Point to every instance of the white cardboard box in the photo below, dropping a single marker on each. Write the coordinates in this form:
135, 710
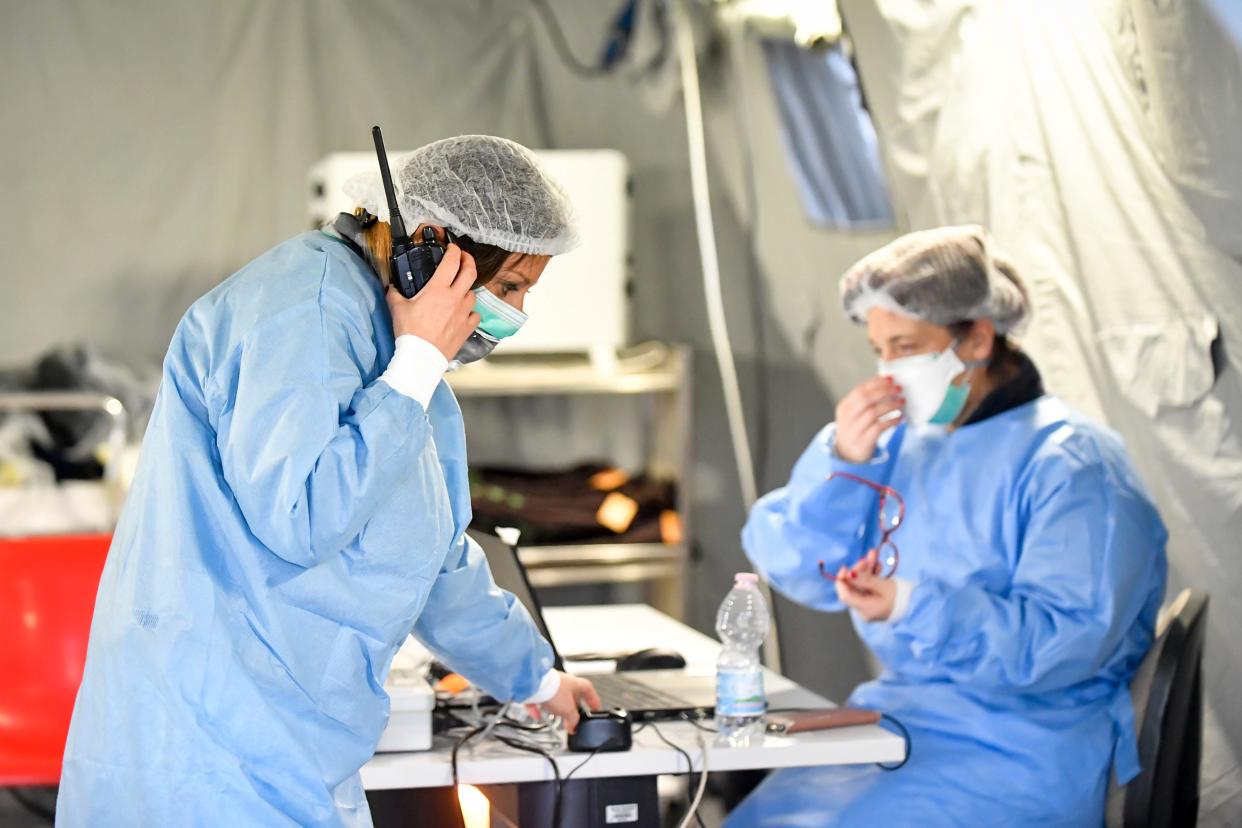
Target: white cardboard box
413, 700
582, 300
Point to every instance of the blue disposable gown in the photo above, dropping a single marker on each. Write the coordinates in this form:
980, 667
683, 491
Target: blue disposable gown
292, 520
1039, 566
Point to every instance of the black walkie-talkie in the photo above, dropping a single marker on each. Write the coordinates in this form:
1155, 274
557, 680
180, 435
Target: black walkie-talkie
412, 264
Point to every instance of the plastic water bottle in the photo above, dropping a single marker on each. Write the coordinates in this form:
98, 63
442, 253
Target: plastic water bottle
742, 623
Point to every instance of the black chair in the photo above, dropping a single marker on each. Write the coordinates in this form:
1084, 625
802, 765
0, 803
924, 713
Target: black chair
1168, 710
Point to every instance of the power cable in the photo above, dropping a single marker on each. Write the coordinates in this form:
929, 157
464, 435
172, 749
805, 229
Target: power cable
457, 746
560, 44
743, 122
713, 292
698, 796
692, 808
905, 734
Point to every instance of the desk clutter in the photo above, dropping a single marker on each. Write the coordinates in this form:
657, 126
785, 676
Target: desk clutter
660, 777
626, 799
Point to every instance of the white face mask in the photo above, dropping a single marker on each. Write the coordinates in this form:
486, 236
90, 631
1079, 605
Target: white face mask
926, 381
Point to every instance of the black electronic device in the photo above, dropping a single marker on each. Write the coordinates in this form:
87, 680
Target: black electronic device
413, 263
602, 731
653, 658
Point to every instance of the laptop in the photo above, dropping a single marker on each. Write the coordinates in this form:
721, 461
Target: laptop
649, 695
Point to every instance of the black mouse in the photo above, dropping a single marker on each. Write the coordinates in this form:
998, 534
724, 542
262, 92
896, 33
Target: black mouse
653, 658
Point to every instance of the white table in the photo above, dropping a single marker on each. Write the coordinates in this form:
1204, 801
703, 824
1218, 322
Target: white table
626, 628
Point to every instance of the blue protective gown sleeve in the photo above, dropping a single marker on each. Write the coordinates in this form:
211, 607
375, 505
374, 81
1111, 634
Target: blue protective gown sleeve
812, 518
466, 616
309, 450
1085, 553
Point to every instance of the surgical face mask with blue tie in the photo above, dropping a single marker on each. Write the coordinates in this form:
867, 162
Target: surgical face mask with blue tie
498, 320
926, 381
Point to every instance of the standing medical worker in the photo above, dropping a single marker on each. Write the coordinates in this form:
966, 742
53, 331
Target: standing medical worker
1029, 561
299, 509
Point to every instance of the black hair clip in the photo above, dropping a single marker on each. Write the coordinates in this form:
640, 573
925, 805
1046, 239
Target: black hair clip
366, 219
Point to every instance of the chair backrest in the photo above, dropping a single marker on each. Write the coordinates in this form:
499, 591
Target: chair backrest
1168, 710
47, 598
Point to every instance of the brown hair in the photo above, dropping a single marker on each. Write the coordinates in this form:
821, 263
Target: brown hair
488, 258
1006, 355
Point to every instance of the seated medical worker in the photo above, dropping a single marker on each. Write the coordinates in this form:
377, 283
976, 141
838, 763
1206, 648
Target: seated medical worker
299, 510
995, 549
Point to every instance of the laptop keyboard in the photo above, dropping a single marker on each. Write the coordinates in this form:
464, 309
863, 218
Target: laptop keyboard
617, 690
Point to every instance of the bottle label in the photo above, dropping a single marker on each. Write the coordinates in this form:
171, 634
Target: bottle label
740, 693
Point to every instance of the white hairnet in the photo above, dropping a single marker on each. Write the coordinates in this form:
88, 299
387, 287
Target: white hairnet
942, 276
491, 189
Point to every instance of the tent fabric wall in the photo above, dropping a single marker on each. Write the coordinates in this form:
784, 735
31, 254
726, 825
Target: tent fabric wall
1186, 69
164, 145
1057, 125
150, 150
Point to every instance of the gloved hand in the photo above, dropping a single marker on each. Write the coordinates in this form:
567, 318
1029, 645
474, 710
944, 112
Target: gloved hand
442, 313
859, 423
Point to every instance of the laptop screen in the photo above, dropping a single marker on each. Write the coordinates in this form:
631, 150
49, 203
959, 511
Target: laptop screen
510, 575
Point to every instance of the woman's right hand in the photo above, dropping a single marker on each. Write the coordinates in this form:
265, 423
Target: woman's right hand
443, 311
863, 590
573, 694
861, 418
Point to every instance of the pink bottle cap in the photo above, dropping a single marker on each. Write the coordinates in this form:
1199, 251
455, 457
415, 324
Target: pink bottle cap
745, 578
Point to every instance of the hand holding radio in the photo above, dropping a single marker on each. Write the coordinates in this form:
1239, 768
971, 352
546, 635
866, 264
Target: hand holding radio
439, 307
442, 312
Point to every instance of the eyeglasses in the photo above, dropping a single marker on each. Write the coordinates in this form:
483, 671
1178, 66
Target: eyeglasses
892, 511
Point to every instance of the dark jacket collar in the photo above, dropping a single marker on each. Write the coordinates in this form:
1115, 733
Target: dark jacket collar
1026, 386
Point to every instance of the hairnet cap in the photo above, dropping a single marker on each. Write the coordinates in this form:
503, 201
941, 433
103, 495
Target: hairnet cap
942, 276
491, 189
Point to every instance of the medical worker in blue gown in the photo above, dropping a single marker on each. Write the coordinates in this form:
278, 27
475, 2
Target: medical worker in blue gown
299, 510
1029, 562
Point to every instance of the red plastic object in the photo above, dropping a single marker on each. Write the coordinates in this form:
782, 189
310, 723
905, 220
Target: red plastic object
47, 598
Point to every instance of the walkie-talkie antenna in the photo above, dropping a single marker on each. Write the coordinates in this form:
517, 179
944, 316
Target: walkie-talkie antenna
400, 240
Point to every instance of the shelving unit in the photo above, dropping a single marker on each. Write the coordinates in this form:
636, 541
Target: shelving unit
663, 378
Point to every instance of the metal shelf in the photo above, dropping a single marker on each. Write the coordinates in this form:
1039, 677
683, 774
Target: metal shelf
662, 566
546, 375
659, 378
588, 554
80, 401
611, 574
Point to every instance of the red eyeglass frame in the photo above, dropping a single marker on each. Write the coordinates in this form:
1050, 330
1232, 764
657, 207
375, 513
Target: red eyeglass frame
886, 532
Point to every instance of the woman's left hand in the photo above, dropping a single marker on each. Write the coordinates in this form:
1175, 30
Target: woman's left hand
863, 590
573, 694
